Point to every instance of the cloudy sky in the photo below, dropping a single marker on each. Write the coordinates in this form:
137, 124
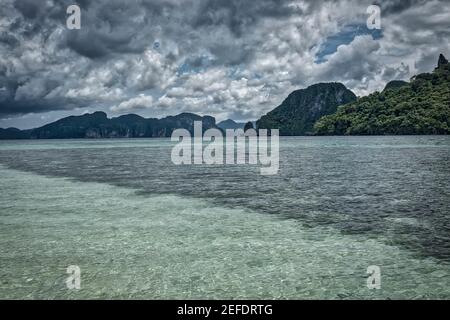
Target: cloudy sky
226, 58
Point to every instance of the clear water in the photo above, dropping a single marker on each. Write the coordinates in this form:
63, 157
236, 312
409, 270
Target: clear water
140, 227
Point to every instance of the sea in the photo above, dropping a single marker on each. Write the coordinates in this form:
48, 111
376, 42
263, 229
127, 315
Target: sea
136, 226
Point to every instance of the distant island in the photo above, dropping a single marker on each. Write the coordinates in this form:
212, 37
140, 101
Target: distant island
421, 106
98, 125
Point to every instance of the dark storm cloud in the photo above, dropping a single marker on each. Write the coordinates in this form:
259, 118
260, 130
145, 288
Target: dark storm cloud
398, 6
28, 8
127, 26
94, 44
239, 15
120, 27
9, 108
13, 100
8, 39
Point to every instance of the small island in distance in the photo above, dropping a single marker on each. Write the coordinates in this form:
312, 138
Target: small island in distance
420, 107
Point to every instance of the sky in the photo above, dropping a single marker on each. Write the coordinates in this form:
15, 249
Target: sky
233, 59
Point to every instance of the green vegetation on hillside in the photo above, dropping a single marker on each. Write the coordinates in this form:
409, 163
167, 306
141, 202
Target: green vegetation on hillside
420, 107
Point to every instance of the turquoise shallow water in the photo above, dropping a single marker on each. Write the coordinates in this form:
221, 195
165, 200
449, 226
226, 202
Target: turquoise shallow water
138, 238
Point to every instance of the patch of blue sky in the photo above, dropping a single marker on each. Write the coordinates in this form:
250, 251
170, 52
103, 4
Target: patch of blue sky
195, 64
344, 37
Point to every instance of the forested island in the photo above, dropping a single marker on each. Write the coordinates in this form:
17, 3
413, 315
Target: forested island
421, 106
